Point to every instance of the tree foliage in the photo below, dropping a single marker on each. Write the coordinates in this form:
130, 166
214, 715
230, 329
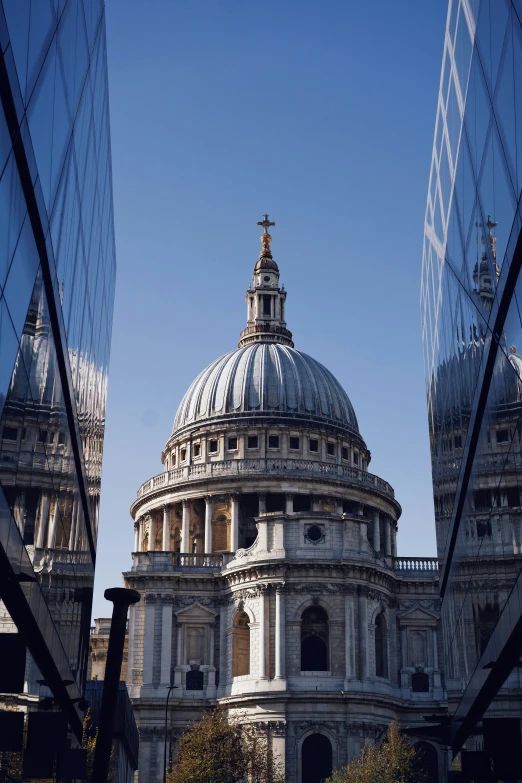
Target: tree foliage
217, 750
395, 761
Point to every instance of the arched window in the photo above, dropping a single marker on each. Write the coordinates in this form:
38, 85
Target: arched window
194, 681
381, 652
316, 758
241, 645
420, 682
314, 640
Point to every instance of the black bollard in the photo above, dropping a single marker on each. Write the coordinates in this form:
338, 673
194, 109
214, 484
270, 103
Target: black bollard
122, 598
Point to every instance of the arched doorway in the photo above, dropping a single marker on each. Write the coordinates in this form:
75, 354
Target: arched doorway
316, 759
427, 761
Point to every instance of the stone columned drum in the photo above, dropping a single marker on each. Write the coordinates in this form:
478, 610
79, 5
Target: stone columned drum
265, 553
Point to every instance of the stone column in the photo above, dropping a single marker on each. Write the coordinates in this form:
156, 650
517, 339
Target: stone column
393, 539
52, 527
405, 683
363, 530
148, 639
208, 524
234, 523
435, 651
279, 746
349, 636
136, 536
74, 523
152, 532
376, 531
44, 520
363, 634
315, 503
289, 503
211, 643
19, 511
223, 673
262, 502
280, 634
387, 537
165, 546
262, 632
179, 645
185, 526
166, 640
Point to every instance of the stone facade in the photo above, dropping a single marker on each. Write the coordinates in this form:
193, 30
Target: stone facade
265, 555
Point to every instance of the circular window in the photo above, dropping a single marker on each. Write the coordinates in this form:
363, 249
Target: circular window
314, 533
266, 279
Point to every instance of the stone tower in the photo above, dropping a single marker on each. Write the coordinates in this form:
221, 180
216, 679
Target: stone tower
265, 553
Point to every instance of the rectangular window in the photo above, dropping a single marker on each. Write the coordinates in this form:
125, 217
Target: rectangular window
267, 307
345, 454
482, 499
213, 446
62, 438
232, 444
502, 436
253, 442
10, 433
513, 496
183, 455
314, 444
355, 458
294, 442
42, 436
458, 441
330, 449
273, 441
197, 449
51, 437
172, 459
24, 433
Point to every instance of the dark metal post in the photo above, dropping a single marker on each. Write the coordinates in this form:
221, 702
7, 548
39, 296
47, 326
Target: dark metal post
171, 688
122, 598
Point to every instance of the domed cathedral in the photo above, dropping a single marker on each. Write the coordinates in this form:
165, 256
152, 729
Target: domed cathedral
265, 555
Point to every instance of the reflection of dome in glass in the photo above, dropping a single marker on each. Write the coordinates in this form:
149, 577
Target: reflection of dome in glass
266, 379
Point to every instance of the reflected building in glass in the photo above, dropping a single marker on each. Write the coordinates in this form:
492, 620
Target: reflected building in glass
472, 336
57, 276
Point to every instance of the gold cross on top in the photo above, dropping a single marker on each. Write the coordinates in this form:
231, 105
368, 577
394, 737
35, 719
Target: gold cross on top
265, 223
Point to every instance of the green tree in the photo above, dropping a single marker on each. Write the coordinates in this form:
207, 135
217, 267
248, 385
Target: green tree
217, 750
395, 761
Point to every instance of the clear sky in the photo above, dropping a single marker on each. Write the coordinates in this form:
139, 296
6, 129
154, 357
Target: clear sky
321, 114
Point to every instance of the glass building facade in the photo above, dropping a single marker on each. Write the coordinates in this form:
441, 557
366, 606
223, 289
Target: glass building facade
471, 302
57, 277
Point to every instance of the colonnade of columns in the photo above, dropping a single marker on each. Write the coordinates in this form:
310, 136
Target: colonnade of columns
47, 520
385, 546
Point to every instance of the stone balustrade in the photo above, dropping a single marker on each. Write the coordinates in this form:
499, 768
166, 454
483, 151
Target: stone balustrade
258, 467
169, 561
426, 565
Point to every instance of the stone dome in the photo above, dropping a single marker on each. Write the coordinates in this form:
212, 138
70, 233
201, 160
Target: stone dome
266, 379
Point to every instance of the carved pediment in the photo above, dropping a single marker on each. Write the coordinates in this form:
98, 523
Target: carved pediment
417, 615
195, 613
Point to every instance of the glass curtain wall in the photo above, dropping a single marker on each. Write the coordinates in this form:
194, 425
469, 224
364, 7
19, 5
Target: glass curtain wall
472, 335
57, 277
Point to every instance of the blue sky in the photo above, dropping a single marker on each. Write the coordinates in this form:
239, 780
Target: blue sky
322, 115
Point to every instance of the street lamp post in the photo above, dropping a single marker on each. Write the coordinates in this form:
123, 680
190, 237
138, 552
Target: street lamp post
171, 688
